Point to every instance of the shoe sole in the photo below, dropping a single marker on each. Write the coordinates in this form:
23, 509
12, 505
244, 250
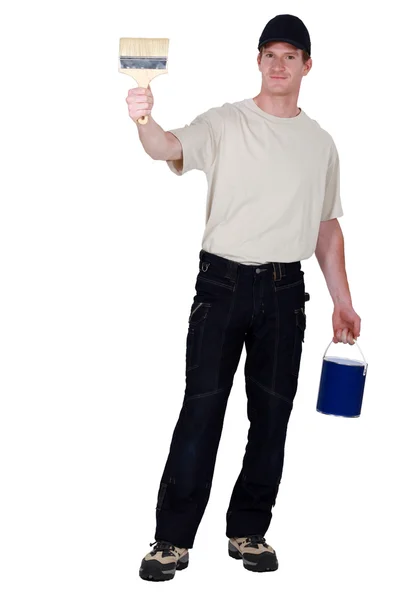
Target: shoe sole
153, 570
264, 562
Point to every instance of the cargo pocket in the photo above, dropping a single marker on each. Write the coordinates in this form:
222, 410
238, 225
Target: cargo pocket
298, 340
197, 317
160, 496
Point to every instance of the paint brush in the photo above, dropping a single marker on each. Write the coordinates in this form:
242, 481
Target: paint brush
143, 59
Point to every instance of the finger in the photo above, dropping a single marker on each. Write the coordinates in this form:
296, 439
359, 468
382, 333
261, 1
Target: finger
135, 115
344, 335
357, 327
143, 98
338, 334
142, 113
350, 339
138, 91
147, 92
141, 104
136, 98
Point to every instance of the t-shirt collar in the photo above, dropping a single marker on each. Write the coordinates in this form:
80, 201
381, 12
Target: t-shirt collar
253, 106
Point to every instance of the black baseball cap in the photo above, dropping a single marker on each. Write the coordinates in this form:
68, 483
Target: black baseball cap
286, 28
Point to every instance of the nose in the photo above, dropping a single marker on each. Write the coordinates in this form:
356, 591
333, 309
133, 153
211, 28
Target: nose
278, 64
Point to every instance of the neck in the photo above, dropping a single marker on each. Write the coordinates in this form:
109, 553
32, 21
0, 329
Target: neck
279, 106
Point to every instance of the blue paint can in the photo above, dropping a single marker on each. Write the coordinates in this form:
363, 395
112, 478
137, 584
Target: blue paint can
341, 387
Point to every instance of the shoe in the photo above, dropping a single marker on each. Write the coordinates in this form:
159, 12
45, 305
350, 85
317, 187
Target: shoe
161, 563
256, 554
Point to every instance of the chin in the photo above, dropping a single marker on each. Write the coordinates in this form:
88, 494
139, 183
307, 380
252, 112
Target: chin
278, 91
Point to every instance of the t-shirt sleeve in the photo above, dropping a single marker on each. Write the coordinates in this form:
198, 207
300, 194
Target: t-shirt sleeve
332, 207
199, 142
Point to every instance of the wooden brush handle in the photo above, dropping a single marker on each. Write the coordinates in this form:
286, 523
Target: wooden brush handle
143, 120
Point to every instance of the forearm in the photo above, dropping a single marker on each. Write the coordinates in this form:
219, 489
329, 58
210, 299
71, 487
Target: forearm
330, 255
156, 142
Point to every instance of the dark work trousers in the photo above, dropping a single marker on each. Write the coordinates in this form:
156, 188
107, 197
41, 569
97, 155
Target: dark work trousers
264, 308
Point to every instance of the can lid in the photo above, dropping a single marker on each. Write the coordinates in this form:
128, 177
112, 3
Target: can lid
365, 364
345, 361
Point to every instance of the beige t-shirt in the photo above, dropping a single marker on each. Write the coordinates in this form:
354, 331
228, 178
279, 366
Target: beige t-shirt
271, 181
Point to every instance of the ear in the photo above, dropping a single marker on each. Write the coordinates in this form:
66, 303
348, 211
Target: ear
307, 66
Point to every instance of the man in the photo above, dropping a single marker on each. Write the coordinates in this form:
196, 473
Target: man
273, 200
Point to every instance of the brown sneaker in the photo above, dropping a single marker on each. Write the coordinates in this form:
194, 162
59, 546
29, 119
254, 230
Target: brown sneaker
161, 563
256, 554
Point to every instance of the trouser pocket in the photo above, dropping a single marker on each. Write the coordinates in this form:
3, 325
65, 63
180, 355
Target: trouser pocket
298, 339
197, 319
161, 494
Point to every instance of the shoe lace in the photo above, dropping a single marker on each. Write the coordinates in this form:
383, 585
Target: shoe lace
161, 545
253, 540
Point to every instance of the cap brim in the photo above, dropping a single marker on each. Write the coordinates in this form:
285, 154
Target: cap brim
296, 44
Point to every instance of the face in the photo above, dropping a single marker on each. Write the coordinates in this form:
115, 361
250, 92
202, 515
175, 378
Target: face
282, 68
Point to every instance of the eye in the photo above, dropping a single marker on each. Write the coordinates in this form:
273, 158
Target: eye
291, 56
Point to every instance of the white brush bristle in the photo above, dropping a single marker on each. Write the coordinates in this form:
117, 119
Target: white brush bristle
143, 46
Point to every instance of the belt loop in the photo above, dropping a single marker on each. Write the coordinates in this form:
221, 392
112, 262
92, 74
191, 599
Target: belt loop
278, 268
276, 276
201, 253
231, 270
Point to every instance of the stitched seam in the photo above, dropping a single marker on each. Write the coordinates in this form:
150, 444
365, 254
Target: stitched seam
217, 282
268, 390
289, 285
195, 308
207, 393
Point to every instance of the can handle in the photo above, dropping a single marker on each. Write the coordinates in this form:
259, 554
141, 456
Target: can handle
355, 341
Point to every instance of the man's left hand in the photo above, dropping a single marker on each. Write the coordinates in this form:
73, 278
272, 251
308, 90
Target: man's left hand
346, 324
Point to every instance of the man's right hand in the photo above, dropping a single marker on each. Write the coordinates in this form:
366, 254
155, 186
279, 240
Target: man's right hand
140, 102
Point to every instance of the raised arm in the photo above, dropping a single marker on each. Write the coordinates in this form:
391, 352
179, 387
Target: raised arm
157, 143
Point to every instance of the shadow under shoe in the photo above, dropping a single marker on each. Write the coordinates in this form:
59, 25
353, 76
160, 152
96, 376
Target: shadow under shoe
161, 563
256, 554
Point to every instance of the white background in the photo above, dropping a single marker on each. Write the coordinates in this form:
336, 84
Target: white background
99, 254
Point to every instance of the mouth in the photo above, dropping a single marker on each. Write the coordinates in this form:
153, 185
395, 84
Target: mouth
276, 77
